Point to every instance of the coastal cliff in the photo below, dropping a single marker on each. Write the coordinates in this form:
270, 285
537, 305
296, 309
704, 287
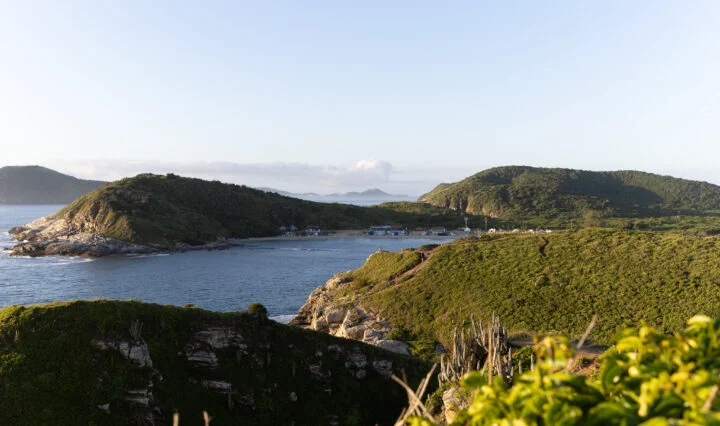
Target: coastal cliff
345, 318
110, 362
337, 307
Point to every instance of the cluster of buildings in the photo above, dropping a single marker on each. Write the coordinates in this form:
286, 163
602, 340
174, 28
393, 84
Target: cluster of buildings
388, 230
382, 230
375, 231
293, 231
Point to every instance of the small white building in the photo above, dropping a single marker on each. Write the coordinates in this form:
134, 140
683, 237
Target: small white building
380, 230
438, 230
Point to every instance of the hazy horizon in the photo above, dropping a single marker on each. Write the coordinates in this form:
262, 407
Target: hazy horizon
335, 97
214, 171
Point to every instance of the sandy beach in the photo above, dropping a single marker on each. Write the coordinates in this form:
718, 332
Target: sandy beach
358, 233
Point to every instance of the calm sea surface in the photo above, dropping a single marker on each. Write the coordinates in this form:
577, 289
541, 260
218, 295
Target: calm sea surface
278, 274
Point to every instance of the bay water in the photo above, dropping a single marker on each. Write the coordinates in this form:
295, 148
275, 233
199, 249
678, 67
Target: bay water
278, 274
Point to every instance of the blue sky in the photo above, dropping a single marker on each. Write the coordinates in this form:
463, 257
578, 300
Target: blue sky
332, 95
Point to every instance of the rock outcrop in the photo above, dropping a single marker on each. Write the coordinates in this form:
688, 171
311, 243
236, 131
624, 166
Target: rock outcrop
344, 317
52, 235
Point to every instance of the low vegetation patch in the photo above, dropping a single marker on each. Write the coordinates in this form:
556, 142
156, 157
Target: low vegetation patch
550, 283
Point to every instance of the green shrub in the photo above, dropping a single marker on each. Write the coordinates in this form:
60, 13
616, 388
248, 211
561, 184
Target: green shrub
258, 311
648, 379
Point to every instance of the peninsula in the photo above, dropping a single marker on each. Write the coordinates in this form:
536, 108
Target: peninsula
149, 213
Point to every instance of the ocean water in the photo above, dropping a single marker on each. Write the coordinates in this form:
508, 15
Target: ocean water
278, 274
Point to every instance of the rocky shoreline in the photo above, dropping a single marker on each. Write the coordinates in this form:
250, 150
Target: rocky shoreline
55, 236
343, 317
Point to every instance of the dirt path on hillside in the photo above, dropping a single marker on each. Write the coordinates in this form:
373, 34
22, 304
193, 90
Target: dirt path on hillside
425, 257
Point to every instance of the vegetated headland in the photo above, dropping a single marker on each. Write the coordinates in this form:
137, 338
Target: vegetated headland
538, 283
150, 213
552, 197
110, 362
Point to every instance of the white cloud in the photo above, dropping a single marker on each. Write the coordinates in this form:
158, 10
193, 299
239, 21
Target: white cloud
287, 176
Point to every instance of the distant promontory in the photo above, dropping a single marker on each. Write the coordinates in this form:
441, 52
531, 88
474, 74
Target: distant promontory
40, 185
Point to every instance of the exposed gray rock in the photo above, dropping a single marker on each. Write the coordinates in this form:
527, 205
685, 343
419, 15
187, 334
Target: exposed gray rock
52, 235
345, 319
219, 338
140, 397
356, 358
200, 351
202, 357
216, 385
383, 367
335, 348
335, 282
355, 333
316, 371
373, 334
136, 352
394, 346
320, 324
335, 315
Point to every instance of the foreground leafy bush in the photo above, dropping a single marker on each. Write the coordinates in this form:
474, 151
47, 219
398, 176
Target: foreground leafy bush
647, 379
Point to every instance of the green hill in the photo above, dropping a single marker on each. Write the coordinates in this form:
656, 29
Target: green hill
40, 185
520, 193
166, 209
549, 283
129, 363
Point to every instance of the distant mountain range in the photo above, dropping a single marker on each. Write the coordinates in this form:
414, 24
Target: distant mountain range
40, 185
368, 193
520, 192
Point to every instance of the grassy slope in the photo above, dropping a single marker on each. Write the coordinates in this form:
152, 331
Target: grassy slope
50, 374
551, 283
40, 185
518, 192
151, 208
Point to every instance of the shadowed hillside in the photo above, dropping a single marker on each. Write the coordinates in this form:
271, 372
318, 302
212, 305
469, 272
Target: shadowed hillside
129, 363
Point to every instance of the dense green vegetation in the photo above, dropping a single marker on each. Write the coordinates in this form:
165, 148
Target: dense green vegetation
50, 373
39, 185
647, 379
167, 209
549, 283
528, 193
